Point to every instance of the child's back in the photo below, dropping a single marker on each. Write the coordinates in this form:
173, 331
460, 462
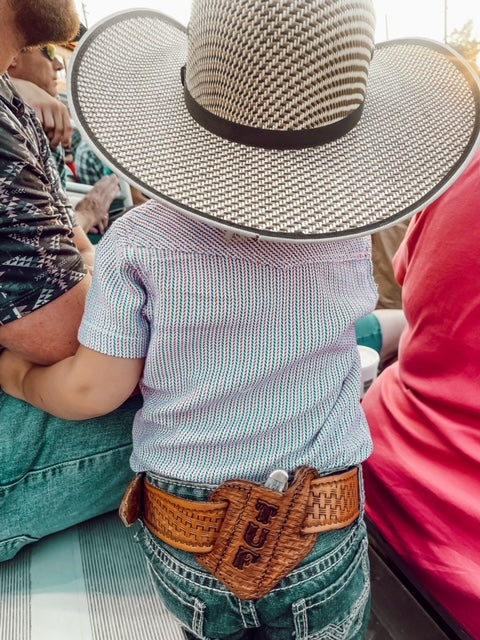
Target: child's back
251, 360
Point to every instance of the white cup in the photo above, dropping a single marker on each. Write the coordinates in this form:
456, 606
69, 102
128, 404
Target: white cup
369, 361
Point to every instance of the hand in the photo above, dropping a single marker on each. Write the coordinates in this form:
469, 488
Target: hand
53, 115
13, 369
92, 210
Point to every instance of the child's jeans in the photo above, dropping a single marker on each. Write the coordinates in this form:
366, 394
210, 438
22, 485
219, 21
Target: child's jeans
327, 596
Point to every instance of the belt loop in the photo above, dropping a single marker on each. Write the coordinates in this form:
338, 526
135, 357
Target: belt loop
131, 508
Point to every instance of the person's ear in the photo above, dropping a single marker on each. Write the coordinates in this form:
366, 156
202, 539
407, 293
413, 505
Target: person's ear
13, 63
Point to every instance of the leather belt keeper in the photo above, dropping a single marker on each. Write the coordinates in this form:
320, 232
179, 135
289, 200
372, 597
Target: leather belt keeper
248, 536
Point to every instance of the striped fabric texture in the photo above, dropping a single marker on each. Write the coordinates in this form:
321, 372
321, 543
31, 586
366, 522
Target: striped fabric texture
251, 358
90, 582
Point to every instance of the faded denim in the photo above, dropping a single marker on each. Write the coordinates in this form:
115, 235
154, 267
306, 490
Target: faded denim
56, 473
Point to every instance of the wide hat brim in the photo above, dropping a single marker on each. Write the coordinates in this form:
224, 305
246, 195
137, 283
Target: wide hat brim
419, 130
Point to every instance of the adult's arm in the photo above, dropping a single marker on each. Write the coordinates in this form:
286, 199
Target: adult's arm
53, 115
48, 334
44, 279
393, 322
92, 211
86, 248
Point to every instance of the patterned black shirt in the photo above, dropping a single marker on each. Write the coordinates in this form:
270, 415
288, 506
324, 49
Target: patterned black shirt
38, 258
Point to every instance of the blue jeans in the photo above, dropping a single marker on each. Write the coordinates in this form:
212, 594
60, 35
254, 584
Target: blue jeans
327, 596
55, 474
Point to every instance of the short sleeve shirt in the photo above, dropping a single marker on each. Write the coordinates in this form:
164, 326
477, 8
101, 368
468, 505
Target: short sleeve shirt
38, 258
251, 362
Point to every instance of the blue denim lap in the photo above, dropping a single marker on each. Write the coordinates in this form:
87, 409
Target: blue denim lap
55, 474
327, 596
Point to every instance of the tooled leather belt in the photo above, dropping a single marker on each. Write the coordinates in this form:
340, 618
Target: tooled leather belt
248, 535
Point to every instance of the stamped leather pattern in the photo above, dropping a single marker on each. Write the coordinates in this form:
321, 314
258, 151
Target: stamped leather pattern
248, 536
261, 539
185, 524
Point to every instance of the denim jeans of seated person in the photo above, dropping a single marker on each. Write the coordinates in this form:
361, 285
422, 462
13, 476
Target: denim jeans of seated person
327, 596
56, 473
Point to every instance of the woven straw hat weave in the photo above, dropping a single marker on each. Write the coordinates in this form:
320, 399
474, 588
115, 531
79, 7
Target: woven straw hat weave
272, 118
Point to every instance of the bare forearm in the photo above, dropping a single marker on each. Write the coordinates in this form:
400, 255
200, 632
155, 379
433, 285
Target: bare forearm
86, 385
48, 334
93, 210
51, 112
85, 247
59, 391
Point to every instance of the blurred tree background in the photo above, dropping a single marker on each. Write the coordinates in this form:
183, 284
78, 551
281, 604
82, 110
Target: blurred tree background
464, 41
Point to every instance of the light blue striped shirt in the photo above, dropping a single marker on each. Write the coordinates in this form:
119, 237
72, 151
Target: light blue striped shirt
251, 358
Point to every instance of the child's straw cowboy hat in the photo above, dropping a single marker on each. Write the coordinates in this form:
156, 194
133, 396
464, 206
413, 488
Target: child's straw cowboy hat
276, 118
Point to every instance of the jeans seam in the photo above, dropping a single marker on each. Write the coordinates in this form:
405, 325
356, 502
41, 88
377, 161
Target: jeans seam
339, 552
359, 606
174, 594
173, 563
198, 615
252, 612
180, 483
352, 568
300, 618
59, 466
10, 543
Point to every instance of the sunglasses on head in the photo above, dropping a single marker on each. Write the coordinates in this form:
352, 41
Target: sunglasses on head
49, 51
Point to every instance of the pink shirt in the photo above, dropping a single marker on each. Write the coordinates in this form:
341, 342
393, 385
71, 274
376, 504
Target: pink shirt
423, 480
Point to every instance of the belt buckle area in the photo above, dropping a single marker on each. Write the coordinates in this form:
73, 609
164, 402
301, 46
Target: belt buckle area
261, 540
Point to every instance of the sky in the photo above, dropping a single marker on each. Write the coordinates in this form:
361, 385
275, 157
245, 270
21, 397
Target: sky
395, 18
